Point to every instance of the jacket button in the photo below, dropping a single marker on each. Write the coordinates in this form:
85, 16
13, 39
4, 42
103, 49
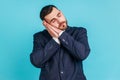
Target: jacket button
61, 72
63, 40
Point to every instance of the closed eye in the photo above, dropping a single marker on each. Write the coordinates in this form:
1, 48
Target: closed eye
59, 14
52, 21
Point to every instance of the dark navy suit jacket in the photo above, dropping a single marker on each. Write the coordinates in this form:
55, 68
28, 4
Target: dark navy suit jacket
64, 61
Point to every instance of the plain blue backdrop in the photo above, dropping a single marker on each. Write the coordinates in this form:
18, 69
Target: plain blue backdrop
19, 20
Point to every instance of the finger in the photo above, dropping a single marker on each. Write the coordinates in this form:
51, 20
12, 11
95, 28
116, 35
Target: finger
52, 32
44, 23
56, 29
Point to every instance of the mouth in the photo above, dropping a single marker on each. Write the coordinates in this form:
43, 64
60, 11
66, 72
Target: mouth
62, 25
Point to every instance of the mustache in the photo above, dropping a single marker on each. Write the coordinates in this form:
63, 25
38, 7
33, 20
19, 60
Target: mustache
62, 23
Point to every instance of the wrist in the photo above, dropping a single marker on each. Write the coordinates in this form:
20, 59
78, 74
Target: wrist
60, 33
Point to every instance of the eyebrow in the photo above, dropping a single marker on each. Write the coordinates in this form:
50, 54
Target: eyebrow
58, 13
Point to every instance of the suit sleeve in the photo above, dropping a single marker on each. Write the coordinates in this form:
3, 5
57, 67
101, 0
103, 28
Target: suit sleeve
78, 47
42, 53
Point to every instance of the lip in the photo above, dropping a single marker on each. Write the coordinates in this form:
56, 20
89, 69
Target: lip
62, 24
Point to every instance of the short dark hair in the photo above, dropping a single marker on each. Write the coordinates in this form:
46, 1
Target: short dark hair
46, 10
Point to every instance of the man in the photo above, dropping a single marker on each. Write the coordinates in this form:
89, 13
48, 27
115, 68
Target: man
60, 49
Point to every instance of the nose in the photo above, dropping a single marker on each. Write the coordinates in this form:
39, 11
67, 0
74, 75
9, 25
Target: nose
59, 20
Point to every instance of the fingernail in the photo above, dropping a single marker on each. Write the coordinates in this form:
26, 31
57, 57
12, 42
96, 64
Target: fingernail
44, 22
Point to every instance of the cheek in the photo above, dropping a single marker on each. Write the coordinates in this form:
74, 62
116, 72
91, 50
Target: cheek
55, 24
62, 19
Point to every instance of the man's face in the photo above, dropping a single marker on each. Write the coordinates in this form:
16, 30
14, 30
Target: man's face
56, 19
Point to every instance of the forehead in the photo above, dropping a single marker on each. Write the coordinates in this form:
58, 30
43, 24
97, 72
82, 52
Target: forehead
53, 13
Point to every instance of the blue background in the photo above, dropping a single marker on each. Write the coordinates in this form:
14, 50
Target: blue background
19, 20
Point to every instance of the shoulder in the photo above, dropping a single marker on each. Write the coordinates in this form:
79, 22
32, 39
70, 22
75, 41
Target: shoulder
78, 29
43, 37
40, 34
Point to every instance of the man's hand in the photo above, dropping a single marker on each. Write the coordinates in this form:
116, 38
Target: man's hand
53, 31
